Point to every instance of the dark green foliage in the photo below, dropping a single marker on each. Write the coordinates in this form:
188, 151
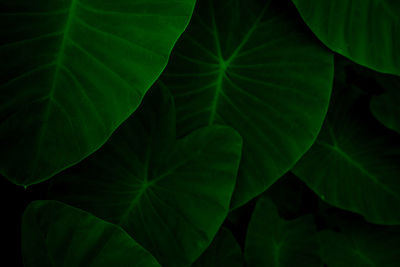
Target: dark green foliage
252, 65
170, 195
223, 251
354, 164
55, 234
72, 71
366, 31
353, 242
270, 139
273, 241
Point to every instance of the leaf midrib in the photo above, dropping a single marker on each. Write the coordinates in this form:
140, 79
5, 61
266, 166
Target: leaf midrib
150, 183
224, 64
58, 66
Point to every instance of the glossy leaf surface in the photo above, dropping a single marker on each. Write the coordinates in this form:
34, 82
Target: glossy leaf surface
223, 251
170, 195
355, 162
273, 241
366, 31
55, 234
72, 71
252, 65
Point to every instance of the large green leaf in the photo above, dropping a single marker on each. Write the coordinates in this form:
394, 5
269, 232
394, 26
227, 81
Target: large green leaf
355, 162
170, 195
366, 31
254, 66
55, 234
72, 71
223, 251
360, 245
273, 241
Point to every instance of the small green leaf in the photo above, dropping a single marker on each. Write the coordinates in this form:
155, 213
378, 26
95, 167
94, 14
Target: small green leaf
55, 234
355, 162
72, 71
252, 65
366, 31
273, 241
223, 251
170, 195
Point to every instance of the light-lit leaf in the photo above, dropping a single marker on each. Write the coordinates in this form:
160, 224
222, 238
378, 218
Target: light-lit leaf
170, 195
254, 66
72, 71
55, 234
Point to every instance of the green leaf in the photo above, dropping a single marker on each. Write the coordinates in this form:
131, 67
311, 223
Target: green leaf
170, 195
366, 31
273, 241
55, 234
386, 106
72, 72
223, 251
360, 245
252, 65
354, 163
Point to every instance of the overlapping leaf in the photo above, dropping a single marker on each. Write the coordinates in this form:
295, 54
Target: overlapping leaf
253, 66
355, 162
170, 195
366, 31
55, 234
72, 71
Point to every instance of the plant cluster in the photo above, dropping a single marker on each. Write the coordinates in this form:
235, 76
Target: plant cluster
208, 133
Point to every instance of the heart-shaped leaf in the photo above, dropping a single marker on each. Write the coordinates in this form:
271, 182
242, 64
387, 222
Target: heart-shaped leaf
355, 162
366, 31
223, 251
273, 241
72, 72
170, 195
55, 234
254, 66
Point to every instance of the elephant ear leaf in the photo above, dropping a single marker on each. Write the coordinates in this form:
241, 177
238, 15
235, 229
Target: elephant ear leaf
72, 72
253, 66
273, 241
55, 234
171, 195
357, 29
355, 162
